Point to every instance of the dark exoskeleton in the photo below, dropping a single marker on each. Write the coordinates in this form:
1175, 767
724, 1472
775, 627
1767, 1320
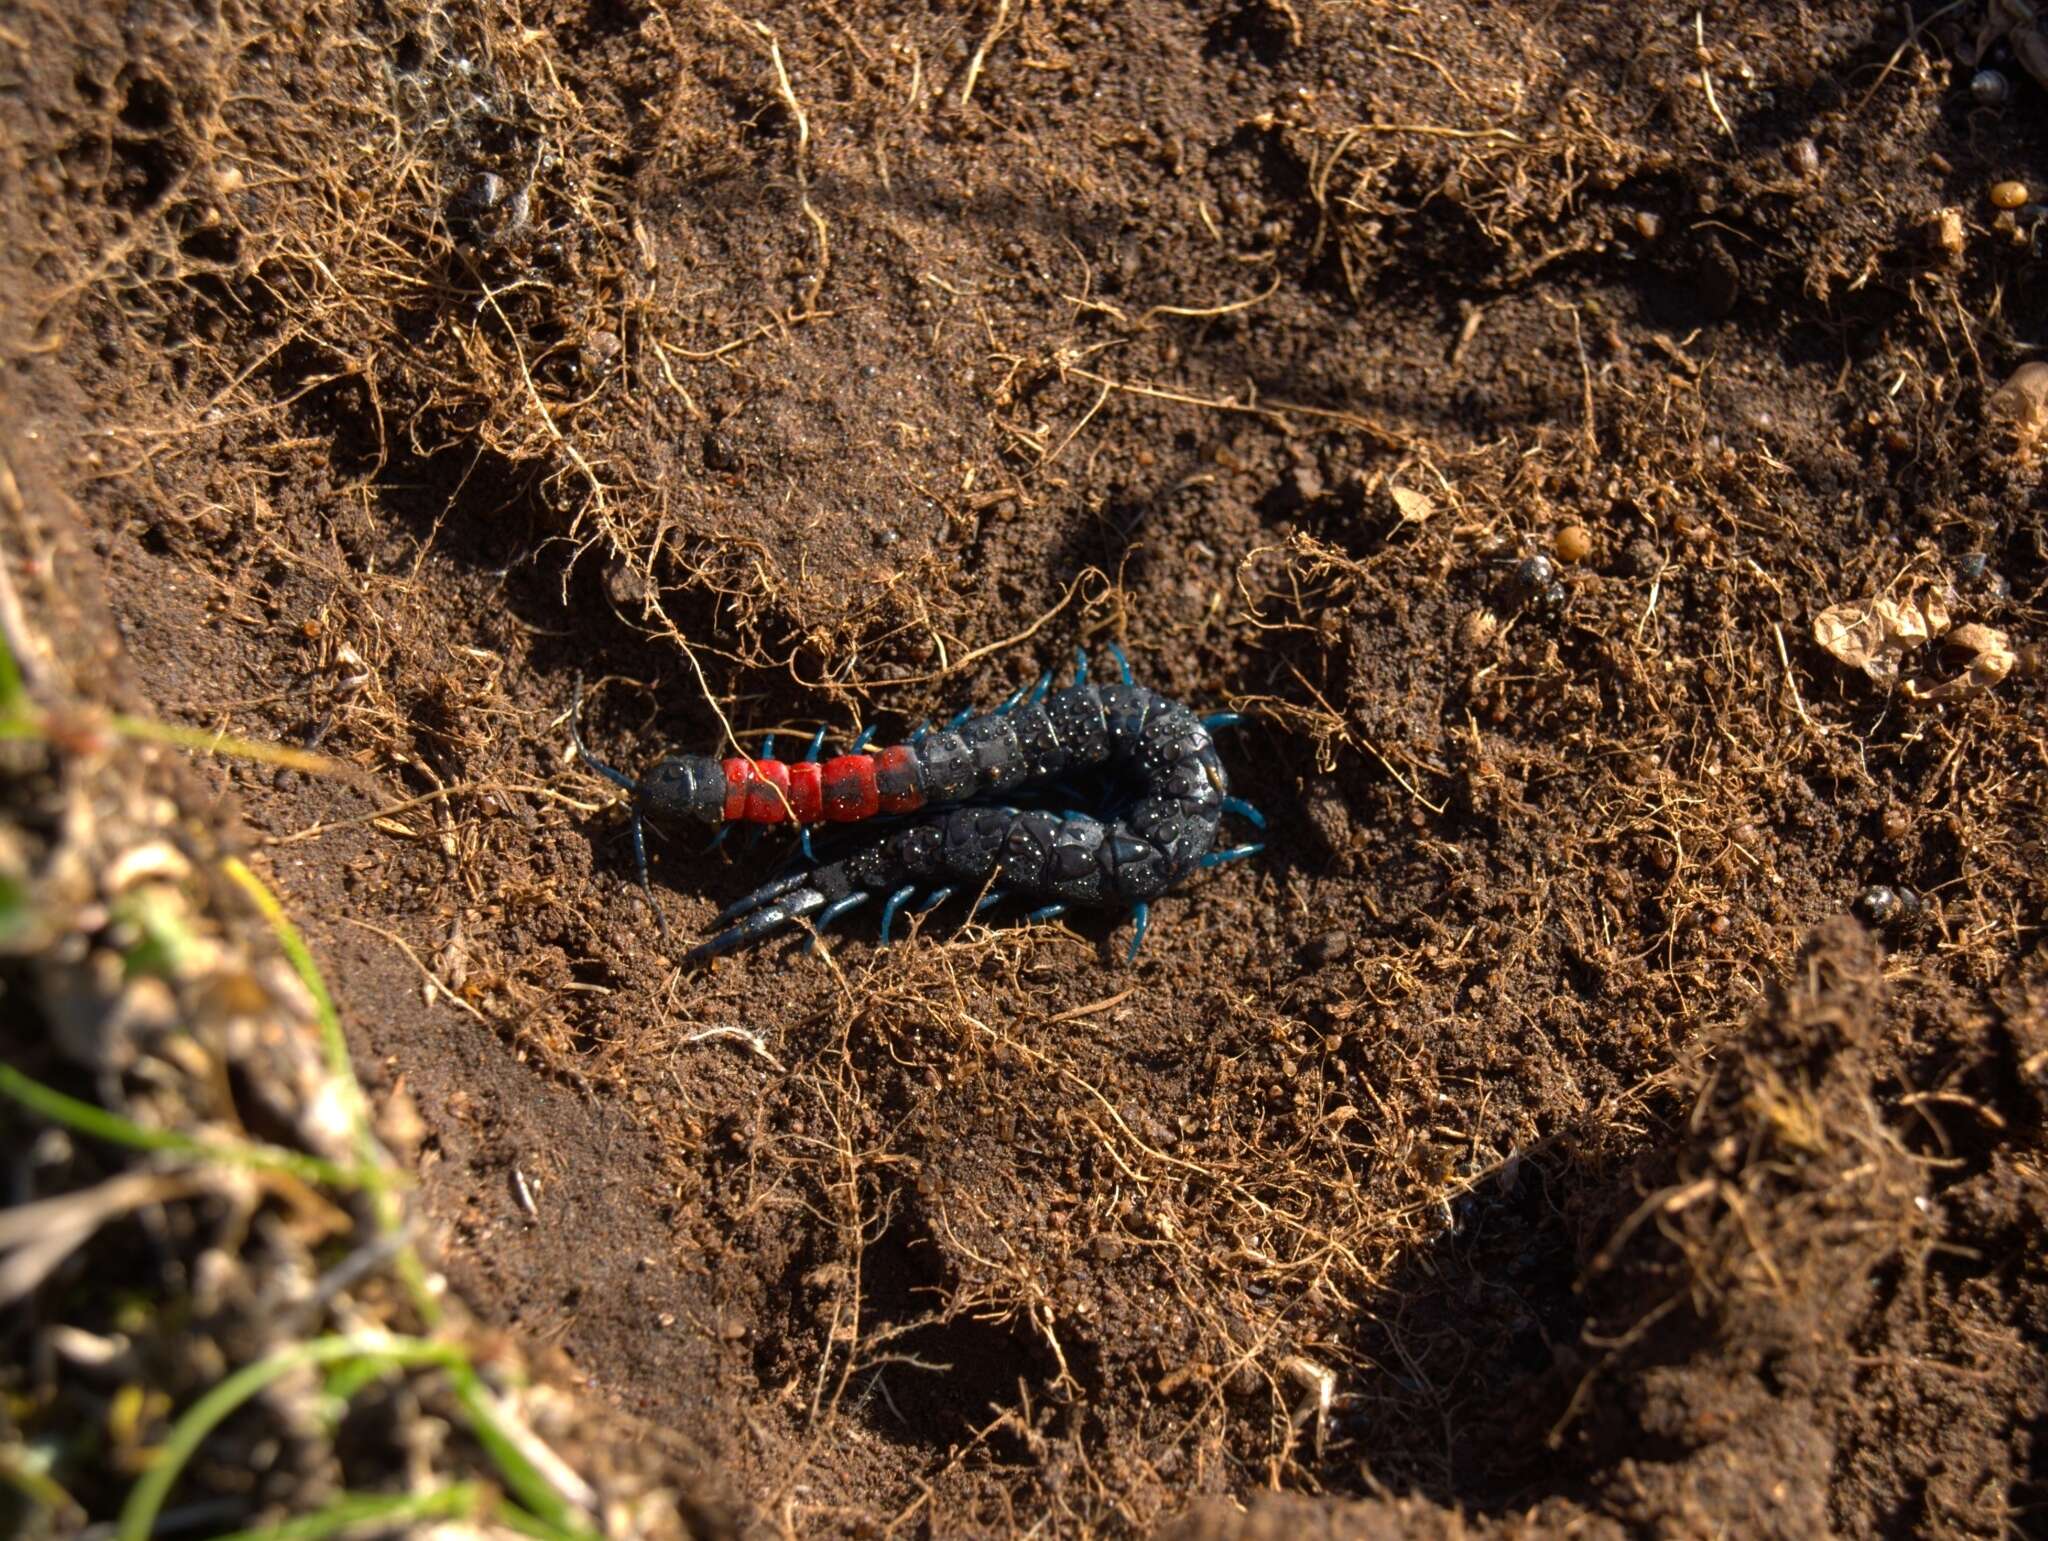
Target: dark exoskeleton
956, 829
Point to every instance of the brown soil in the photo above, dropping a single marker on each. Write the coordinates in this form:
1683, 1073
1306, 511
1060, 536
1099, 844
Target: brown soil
1530, 1138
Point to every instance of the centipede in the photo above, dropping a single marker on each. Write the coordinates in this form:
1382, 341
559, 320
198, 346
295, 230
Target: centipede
984, 805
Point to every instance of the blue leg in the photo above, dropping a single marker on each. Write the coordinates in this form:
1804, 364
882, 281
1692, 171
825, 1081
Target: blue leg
1044, 684
939, 897
1123, 664
718, 839
990, 899
1221, 720
1080, 667
1010, 701
1235, 853
1045, 912
1245, 811
1142, 914
895, 903
832, 912
866, 734
923, 732
803, 843
817, 743
959, 717
766, 894
768, 746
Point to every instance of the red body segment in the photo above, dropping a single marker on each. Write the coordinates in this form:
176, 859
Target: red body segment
897, 766
807, 791
849, 788
842, 790
768, 800
738, 775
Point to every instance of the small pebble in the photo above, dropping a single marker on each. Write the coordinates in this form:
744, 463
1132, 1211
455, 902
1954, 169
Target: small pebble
1804, 155
2008, 195
1649, 224
1330, 947
1534, 573
1971, 567
1945, 231
1989, 88
1573, 543
1878, 904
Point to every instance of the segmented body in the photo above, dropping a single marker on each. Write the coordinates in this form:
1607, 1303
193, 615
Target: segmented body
956, 831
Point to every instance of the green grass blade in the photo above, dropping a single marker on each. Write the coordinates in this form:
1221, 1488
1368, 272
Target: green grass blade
90, 1119
390, 1214
459, 1500
146, 1498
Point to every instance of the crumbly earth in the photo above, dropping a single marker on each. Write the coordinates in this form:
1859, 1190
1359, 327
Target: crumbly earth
1613, 1101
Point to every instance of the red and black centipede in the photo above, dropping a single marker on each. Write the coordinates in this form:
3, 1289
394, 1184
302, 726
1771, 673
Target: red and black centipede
955, 798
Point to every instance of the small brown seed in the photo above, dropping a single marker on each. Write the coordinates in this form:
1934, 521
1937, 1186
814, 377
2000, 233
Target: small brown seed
1328, 948
2008, 195
1573, 543
1804, 155
1649, 224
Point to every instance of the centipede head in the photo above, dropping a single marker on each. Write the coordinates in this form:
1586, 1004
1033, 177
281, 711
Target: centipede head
684, 785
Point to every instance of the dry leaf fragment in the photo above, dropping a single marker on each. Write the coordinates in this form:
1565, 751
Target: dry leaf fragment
2017, 23
1415, 507
1874, 634
1990, 659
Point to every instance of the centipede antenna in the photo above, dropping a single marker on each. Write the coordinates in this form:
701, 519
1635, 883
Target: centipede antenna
1123, 664
1044, 684
1245, 811
1235, 853
866, 734
894, 904
832, 912
646, 884
618, 778
1217, 720
937, 897
1045, 912
1080, 667
1142, 914
638, 824
811, 754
